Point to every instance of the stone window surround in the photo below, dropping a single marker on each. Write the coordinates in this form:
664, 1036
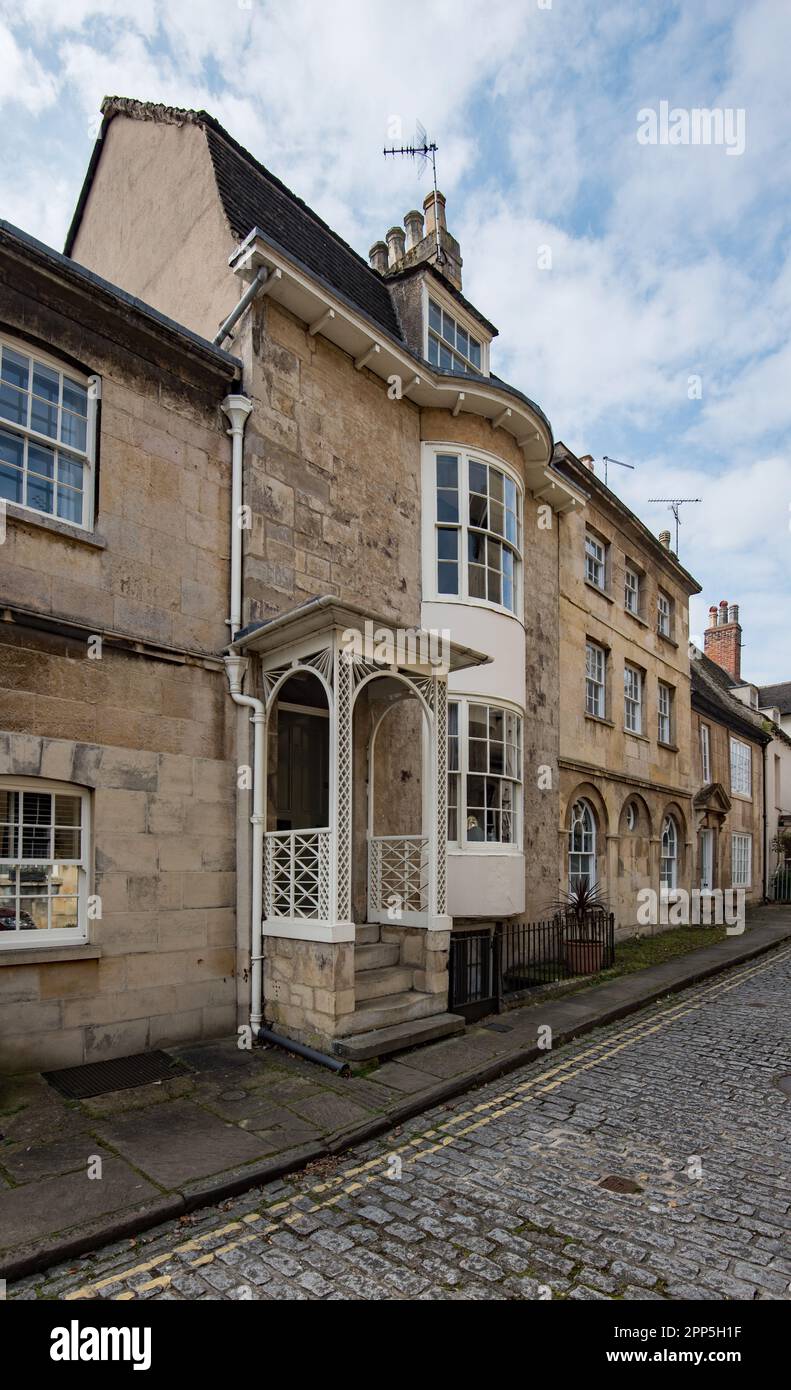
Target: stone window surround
53, 940
463, 319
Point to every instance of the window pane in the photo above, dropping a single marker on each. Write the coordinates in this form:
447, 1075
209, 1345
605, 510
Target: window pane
41, 461
44, 417
15, 368
448, 329
70, 471
477, 581
445, 358
479, 510
70, 505
46, 383
13, 404
39, 493
477, 755
434, 316
75, 397
462, 342
479, 721
447, 470
447, 544
478, 479
495, 484
475, 352
433, 351
476, 547
447, 578
447, 505
12, 452
497, 518
73, 430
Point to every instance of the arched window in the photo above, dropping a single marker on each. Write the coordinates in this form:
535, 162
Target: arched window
631, 816
582, 845
668, 872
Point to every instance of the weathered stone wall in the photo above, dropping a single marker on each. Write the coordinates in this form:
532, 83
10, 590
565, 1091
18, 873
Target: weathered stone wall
308, 988
599, 758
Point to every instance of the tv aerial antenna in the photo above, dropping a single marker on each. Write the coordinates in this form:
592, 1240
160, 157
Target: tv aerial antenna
605, 460
422, 149
674, 505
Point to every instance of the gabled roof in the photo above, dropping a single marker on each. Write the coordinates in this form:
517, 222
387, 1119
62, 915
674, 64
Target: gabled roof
712, 797
778, 696
711, 694
252, 196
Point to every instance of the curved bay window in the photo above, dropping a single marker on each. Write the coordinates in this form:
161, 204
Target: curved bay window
478, 531
43, 849
668, 869
484, 774
582, 845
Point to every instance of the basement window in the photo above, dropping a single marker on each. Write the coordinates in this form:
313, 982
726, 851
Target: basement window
43, 858
47, 428
451, 348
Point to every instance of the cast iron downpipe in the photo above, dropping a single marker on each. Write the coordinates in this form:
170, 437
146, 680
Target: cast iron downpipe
236, 667
323, 1059
247, 298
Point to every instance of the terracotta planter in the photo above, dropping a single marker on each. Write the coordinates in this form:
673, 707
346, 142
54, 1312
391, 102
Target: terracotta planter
584, 957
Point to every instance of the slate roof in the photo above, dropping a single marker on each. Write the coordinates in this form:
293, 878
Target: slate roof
776, 695
711, 693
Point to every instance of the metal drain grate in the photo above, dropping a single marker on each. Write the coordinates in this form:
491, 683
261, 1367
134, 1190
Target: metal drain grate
119, 1074
615, 1183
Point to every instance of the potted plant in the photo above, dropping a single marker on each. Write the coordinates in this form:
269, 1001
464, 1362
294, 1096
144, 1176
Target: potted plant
580, 910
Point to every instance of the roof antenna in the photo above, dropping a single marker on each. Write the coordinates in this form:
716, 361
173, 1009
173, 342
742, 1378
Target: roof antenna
605, 460
421, 149
675, 504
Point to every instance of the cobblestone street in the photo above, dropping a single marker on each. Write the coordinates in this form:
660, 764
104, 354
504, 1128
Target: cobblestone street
499, 1195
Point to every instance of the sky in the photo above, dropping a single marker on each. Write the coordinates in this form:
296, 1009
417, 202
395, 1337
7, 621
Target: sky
642, 290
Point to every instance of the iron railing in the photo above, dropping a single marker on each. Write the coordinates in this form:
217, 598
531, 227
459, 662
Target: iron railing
780, 885
486, 967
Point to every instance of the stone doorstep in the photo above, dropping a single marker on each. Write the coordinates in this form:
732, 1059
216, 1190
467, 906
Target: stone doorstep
382, 1042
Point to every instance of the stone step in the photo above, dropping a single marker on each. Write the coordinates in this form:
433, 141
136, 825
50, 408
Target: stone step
373, 984
388, 1009
366, 933
375, 956
361, 1047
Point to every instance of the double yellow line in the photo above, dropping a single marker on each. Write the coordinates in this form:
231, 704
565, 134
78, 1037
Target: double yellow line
449, 1132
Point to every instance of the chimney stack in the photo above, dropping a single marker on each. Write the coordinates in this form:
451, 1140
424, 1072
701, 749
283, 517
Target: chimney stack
431, 242
722, 640
587, 459
664, 539
395, 246
413, 223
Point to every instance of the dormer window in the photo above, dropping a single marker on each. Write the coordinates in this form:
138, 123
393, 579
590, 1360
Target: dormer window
451, 347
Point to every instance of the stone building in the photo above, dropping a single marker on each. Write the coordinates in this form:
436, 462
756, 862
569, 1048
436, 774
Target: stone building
384, 486
117, 923
744, 751
626, 817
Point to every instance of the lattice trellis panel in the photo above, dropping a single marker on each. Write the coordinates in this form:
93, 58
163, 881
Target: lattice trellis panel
441, 741
297, 883
343, 733
398, 868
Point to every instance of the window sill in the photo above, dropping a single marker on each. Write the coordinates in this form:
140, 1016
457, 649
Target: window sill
742, 796
630, 733
598, 590
671, 747
663, 637
635, 617
600, 719
21, 516
41, 955
484, 848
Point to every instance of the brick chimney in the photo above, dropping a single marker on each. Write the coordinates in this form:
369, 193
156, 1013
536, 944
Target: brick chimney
722, 640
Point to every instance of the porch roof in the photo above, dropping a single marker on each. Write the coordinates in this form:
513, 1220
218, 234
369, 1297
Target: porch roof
327, 614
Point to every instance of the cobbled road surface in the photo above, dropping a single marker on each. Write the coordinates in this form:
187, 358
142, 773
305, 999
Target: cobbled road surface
498, 1195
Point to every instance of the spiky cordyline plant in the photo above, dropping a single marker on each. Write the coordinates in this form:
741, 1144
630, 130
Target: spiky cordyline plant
579, 903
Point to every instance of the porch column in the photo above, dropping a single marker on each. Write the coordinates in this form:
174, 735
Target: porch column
438, 919
341, 753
